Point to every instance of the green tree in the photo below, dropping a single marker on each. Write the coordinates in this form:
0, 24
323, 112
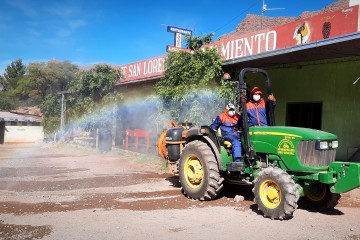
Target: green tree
2, 83
92, 94
196, 42
13, 75
14, 72
187, 82
51, 108
45, 79
229, 90
8, 101
41, 86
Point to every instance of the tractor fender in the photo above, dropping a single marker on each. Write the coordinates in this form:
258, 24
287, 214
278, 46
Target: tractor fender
207, 135
215, 150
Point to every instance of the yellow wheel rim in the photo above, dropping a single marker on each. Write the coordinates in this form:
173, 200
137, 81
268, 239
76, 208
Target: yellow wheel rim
318, 194
193, 171
270, 194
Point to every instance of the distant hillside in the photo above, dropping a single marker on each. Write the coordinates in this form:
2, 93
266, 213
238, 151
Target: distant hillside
253, 22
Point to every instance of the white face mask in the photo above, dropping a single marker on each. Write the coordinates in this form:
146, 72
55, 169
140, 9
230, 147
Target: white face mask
231, 113
256, 97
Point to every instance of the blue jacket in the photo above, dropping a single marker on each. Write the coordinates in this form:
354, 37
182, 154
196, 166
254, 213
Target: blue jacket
229, 125
257, 113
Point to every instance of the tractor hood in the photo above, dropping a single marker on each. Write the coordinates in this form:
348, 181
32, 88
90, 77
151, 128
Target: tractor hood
294, 132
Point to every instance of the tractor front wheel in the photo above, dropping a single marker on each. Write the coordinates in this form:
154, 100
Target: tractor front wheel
275, 193
198, 172
319, 198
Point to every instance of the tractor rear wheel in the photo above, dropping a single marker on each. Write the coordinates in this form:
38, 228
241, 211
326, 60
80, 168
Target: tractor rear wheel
275, 193
319, 198
199, 172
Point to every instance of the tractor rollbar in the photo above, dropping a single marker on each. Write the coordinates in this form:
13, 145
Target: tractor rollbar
249, 150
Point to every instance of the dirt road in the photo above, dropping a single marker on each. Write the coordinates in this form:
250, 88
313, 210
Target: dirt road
63, 192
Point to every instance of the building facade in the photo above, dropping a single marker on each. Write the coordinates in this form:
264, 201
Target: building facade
20, 128
313, 64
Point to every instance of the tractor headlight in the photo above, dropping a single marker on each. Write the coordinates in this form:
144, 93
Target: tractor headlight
322, 145
335, 144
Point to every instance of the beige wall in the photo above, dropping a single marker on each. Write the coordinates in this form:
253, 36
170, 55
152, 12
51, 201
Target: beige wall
332, 84
23, 134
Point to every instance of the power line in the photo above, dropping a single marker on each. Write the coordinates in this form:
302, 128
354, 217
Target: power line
241, 13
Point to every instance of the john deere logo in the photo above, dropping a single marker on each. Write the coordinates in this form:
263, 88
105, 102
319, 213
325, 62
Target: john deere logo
286, 147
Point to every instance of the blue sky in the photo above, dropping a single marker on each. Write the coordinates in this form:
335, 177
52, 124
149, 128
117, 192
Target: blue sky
87, 32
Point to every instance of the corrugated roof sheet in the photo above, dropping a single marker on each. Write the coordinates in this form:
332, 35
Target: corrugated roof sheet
8, 116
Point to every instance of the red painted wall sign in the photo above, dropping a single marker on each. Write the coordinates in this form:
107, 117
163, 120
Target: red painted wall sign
143, 69
303, 31
291, 34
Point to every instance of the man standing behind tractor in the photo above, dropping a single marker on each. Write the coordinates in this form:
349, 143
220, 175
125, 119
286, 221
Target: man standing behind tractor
257, 108
229, 123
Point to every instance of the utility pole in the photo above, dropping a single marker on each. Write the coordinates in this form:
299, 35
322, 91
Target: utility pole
63, 113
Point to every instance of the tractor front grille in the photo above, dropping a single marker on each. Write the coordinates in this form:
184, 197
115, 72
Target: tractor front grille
309, 156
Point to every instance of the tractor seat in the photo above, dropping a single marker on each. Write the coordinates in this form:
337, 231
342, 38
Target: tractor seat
227, 144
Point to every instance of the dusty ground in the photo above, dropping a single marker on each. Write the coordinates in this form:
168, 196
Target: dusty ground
65, 192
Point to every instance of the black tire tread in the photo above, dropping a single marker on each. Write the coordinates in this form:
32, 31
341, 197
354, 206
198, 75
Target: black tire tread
329, 202
213, 181
289, 192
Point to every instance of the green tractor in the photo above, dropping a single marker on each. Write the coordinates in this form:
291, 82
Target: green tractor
284, 165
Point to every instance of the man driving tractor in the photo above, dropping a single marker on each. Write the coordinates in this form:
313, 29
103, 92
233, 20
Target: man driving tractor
229, 124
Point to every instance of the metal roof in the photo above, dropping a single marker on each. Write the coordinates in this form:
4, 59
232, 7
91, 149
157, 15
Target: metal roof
14, 117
